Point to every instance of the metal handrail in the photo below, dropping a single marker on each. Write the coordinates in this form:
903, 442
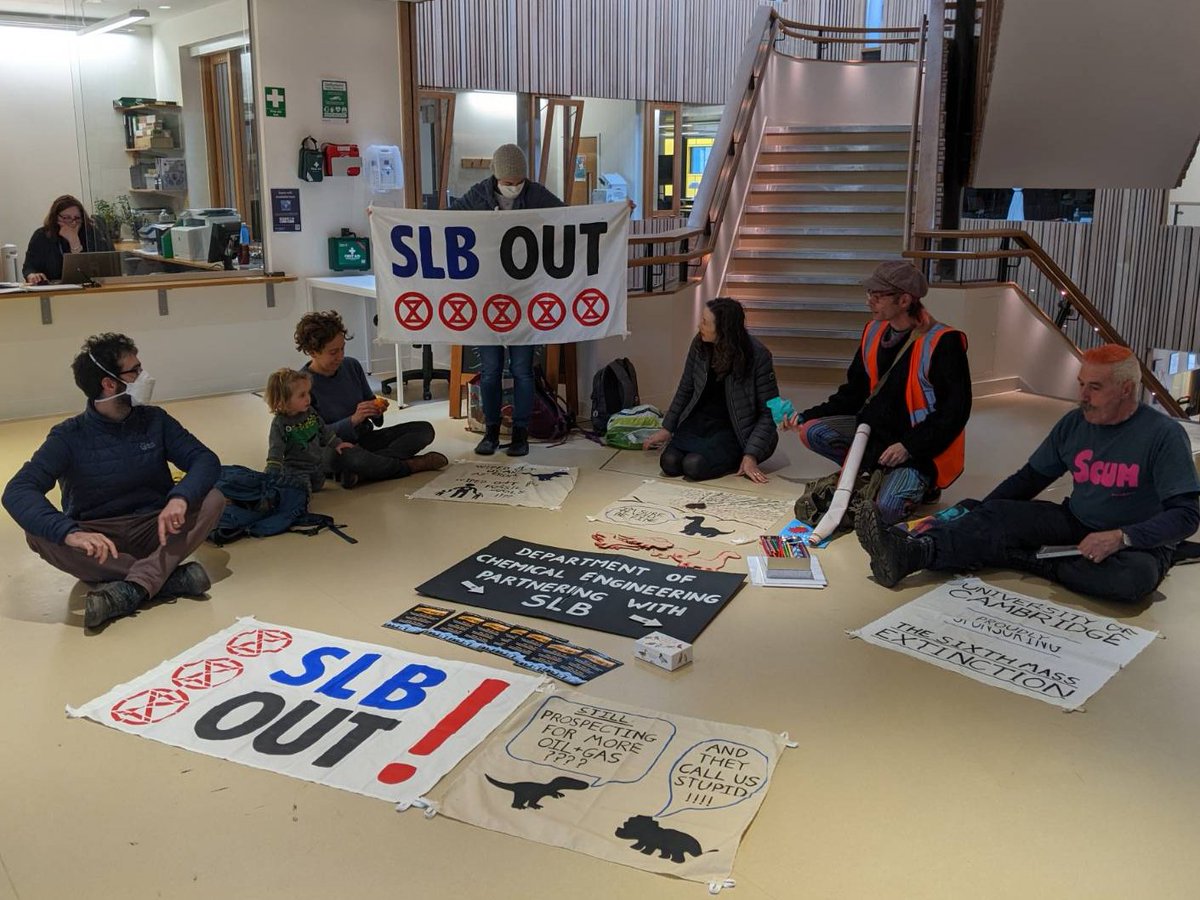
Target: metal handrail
1028, 248
912, 137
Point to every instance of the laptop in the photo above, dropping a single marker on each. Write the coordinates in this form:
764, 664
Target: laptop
82, 267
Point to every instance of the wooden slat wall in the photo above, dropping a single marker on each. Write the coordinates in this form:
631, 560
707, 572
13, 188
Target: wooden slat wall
666, 50
1142, 275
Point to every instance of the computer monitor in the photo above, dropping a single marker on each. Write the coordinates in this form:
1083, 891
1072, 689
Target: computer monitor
82, 267
219, 240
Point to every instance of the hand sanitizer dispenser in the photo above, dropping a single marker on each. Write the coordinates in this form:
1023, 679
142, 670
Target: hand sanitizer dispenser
385, 170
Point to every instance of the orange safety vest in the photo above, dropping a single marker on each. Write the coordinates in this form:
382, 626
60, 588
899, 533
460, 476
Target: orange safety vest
919, 391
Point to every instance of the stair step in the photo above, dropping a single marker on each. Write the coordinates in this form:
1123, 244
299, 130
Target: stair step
793, 278
789, 187
803, 305
820, 230
833, 129
870, 255
842, 334
878, 147
815, 362
832, 167
825, 208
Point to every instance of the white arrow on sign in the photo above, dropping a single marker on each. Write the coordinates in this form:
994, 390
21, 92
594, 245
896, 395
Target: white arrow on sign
649, 623
472, 587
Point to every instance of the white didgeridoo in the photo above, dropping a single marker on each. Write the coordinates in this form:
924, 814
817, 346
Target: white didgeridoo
845, 487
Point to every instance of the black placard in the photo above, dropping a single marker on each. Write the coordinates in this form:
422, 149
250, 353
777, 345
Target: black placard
618, 594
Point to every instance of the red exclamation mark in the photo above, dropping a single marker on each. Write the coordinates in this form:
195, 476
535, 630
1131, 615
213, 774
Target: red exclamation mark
489, 689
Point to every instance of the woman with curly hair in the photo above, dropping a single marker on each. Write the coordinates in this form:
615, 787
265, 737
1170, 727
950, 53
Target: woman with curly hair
718, 422
344, 400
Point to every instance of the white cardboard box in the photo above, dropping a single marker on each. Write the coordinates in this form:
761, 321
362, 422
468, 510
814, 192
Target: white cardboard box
663, 650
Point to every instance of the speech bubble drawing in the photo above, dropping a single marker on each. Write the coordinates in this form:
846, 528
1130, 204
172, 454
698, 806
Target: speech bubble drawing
639, 514
714, 774
600, 745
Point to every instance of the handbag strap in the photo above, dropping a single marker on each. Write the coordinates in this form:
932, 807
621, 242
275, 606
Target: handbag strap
912, 336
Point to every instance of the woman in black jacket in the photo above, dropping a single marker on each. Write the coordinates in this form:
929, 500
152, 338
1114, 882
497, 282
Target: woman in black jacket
719, 422
67, 229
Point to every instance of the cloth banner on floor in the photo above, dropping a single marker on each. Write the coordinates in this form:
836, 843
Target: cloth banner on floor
655, 791
1028, 646
351, 715
544, 276
516, 484
729, 516
617, 594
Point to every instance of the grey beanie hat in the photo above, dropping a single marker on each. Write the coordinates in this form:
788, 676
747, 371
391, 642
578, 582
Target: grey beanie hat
509, 162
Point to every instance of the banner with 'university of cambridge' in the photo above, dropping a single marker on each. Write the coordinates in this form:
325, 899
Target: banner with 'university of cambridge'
519, 277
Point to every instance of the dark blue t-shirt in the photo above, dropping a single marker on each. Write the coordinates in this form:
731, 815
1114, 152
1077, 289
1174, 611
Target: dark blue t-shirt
1122, 472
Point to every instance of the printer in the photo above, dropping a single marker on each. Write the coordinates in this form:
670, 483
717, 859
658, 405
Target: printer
613, 189
192, 234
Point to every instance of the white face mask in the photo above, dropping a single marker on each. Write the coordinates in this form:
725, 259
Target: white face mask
510, 190
138, 391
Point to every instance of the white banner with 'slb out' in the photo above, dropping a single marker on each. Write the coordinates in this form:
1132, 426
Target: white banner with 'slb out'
542, 276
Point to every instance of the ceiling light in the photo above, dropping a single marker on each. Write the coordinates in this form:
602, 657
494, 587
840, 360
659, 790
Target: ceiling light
118, 21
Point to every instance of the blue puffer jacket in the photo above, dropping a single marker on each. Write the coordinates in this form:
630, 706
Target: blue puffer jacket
108, 468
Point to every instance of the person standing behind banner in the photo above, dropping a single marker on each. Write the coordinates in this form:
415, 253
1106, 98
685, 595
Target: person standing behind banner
67, 229
507, 188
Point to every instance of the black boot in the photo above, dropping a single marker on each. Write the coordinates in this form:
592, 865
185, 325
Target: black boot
519, 446
491, 440
893, 554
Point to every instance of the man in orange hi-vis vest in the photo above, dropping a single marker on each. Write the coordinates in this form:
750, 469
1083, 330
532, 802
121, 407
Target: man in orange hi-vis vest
910, 381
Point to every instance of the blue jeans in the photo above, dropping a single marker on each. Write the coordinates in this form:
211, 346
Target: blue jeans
903, 487
491, 390
1007, 533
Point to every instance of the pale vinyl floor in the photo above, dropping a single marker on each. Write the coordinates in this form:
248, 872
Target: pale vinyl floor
909, 781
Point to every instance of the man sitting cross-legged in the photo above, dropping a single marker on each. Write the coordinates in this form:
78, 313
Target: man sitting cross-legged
1134, 499
123, 522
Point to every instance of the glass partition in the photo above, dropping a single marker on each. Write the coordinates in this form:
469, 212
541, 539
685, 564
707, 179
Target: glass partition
149, 123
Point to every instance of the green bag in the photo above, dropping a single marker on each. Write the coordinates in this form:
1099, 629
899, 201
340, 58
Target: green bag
629, 428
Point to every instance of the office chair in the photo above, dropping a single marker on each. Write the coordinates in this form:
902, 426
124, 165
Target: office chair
426, 373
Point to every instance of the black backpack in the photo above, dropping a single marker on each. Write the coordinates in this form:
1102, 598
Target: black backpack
550, 419
614, 388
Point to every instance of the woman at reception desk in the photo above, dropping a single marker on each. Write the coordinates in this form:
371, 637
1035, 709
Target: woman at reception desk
67, 229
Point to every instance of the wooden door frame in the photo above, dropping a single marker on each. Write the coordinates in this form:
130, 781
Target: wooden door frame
570, 147
208, 63
650, 160
447, 130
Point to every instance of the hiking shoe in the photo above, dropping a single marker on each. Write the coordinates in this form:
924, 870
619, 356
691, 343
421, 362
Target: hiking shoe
491, 440
427, 462
519, 445
347, 479
893, 555
111, 600
188, 580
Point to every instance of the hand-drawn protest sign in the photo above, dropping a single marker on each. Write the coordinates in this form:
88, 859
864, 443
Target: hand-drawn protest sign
696, 512
356, 716
523, 277
617, 594
601, 777
1028, 646
515, 484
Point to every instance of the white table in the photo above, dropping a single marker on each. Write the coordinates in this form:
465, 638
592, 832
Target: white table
360, 347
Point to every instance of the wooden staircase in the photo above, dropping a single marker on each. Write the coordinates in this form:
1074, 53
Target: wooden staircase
826, 206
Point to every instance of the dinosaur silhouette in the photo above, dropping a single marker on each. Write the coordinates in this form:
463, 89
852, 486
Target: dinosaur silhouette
697, 528
526, 794
649, 838
550, 476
